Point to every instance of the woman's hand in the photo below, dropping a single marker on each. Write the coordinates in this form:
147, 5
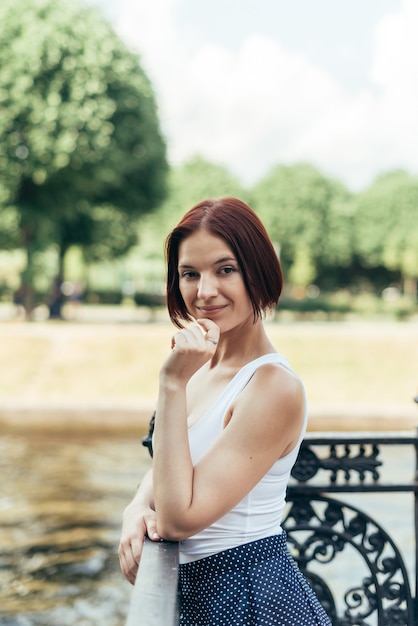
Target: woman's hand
191, 347
138, 522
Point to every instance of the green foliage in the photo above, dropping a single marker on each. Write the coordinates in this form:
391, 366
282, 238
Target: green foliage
308, 216
316, 238
82, 156
302, 272
385, 224
9, 228
192, 182
327, 305
188, 184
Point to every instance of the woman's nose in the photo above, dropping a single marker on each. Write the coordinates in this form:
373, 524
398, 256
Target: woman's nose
207, 287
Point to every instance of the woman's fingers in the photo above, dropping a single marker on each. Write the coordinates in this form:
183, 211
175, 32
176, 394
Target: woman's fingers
192, 347
151, 525
130, 552
195, 336
138, 522
211, 330
129, 561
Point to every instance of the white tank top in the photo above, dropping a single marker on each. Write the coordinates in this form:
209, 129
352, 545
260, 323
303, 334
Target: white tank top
259, 514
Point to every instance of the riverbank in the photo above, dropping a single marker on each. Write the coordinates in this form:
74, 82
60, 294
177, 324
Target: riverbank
102, 375
134, 419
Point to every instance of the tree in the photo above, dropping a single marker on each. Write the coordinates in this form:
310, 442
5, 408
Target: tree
309, 217
193, 181
188, 184
386, 231
82, 156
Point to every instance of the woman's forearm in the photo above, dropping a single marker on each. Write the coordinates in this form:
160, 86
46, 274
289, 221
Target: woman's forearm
145, 491
172, 464
173, 467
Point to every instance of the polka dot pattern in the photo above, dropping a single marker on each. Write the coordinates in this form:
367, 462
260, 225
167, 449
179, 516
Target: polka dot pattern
256, 584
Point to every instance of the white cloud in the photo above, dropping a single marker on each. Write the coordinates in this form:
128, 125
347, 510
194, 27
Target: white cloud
245, 109
396, 48
373, 130
395, 73
255, 106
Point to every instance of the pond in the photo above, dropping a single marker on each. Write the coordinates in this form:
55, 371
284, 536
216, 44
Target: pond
61, 502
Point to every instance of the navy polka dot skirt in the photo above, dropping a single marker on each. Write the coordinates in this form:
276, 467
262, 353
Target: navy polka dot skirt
256, 584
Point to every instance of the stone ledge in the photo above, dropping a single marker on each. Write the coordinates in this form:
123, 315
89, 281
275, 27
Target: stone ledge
130, 417
76, 418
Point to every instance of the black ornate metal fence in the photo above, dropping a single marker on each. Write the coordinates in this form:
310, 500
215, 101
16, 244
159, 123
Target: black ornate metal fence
335, 533
355, 566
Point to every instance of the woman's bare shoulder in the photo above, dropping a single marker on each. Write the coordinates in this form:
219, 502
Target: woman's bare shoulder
277, 381
277, 393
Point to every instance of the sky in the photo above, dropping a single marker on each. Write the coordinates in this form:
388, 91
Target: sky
250, 84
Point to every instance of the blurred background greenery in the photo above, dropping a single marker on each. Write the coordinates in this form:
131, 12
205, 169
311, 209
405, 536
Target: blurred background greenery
87, 194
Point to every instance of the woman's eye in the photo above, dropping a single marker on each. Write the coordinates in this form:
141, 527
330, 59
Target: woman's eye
188, 275
227, 270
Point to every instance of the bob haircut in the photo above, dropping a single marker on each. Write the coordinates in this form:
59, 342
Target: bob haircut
239, 226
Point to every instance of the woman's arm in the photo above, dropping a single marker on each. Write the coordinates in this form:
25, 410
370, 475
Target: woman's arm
172, 463
264, 425
138, 521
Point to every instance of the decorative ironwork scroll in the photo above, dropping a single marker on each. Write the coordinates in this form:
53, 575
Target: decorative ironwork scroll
321, 528
362, 464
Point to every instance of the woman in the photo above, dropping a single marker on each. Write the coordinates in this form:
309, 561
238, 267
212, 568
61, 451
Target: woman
231, 415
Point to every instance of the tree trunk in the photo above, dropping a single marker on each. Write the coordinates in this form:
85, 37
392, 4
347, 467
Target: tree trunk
27, 291
57, 297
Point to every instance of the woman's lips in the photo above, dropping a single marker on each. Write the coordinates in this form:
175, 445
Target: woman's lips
211, 310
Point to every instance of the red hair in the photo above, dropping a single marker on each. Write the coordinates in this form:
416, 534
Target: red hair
240, 227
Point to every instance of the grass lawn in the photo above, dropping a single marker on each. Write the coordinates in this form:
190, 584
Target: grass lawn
346, 366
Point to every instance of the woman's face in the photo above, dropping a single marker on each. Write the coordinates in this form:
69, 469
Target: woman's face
211, 282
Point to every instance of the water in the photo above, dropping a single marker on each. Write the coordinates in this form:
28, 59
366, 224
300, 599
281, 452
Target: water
61, 502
